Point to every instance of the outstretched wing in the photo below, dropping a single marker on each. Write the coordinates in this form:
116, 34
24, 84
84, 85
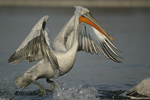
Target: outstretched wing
35, 46
91, 40
31, 47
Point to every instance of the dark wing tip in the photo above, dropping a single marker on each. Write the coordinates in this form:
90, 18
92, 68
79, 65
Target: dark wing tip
119, 61
11, 58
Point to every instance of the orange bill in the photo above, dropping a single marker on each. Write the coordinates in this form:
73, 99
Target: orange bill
85, 20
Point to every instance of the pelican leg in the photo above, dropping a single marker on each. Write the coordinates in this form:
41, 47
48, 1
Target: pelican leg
52, 87
42, 89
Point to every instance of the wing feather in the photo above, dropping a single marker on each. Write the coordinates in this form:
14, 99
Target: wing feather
89, 40
80, 42
100, 49
86, 45
36, 46
89, 44
50, 54
31, 51
93, 40
94, 48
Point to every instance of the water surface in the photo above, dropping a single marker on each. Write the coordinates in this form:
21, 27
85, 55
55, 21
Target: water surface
93, 76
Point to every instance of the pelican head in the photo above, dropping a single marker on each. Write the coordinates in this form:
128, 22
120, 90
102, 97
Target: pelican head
84, 15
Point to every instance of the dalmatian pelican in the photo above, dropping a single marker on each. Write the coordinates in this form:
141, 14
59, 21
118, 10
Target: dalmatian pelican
81, 33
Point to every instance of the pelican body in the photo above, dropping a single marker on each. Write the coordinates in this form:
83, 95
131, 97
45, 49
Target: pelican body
81, 33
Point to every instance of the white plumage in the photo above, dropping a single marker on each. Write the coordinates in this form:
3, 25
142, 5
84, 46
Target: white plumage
82, 32
141, 90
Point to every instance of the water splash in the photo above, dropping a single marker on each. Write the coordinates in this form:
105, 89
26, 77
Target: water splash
4, 98
7, 88
63, 92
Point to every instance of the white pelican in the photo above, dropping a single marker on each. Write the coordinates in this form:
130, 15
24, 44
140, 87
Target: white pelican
82, 32
141, 90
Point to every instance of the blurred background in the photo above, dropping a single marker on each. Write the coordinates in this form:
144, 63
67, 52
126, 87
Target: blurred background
69, 3
127, 21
